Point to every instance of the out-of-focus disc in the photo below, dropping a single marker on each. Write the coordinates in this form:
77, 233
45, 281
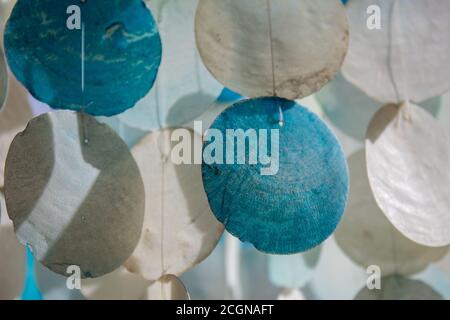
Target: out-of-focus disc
4, 81
407, 156
367, 236
407, 57
74, 193
399, 288
12, 264
179, 229
168, 287
103, 65
184, 89
284, 48
118, 285
13, 119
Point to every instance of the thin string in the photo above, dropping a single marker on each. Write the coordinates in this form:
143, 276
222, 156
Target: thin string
272, 59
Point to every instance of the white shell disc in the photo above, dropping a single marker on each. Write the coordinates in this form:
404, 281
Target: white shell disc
118, 285
408, 156
184, 88
168, 287
74, 203
367, 236
255, 46
407, 58
179, 229
400, 288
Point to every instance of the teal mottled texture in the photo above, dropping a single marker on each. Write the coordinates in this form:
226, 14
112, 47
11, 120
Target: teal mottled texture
122, 53
299, 207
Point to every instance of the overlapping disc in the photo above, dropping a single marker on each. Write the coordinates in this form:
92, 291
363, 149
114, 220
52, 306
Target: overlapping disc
399, 288
118, 285
248, 47
350, 109
282, 188
179, 228
3, 79
101, 58
407, 156
369, 238
13, 119
184, 89
293, 271
406, 57
169, 287
74, 193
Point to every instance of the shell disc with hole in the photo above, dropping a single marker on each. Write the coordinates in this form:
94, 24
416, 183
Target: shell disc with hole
254, 46
400, 288
104, 74
184, 88
179, 229
350, 109
367, 236
74, 203
407, 58
289, 196
407, 154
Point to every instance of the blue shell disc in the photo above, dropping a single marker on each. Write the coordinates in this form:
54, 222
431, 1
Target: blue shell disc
297, 208
122, 53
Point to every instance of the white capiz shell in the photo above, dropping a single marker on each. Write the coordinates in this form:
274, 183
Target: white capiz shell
254, 46
12, 263
367, 236
117, 285
74, 203
407, 59
13, 119
179, 228
408, 156
184, 88
169, 287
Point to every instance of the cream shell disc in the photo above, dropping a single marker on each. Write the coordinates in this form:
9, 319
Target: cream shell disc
179, 230
283, 48
367, 236
408, 156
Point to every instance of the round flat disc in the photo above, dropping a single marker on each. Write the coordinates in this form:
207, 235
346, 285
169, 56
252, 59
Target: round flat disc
168, 287
13, 119
284, 48
184, 88
104, 64
74, 203
118, 285
407, 58
289, 196
179, 228
12, 264
407, 155
400, 288
350, 109
367, 236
